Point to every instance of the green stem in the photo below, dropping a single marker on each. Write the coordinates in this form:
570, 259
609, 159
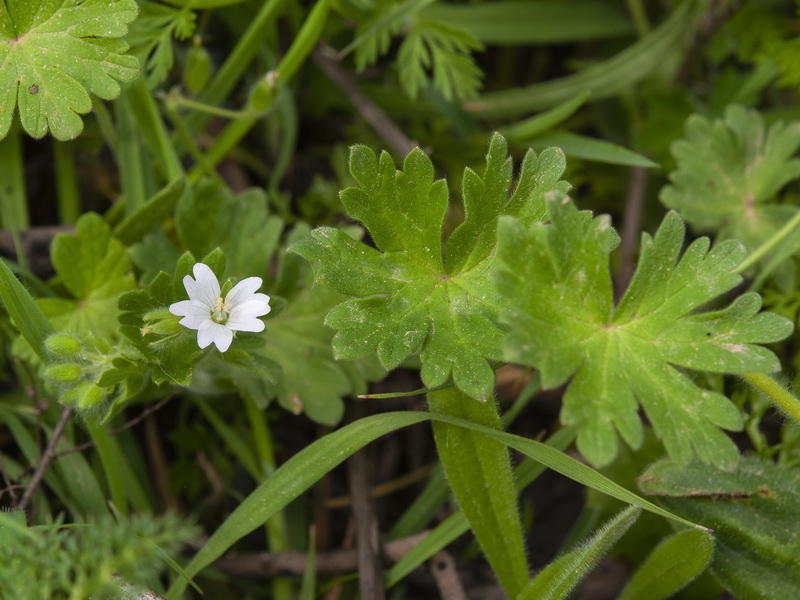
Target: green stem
780, 396
479, 472
237, 61
276, 526
767, 246
103, 445
129, 156
183, 102
264, 94
13, 194
639, 16
69, 201
105, 123
151, 126
200, 158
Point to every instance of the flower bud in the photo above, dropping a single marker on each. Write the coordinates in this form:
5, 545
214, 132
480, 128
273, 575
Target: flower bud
63, 345
63, 372
92, 396
84, 395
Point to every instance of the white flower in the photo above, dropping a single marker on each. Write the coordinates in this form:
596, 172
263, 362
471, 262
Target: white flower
215, 318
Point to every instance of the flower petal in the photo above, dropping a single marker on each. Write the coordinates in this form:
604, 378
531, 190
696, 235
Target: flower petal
255, 306
205, 333
194, 321
243, 290
187, 307
223, 336
205, 287
238, 323
210, 332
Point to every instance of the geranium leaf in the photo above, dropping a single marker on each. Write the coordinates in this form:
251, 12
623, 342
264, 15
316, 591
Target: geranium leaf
53, 53
409, 299
564, 323
94, 268
730, 172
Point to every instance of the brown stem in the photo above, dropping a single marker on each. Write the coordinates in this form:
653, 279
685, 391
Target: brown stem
631, 228
267, 564
135, 421
47, 458
371, 112
9, 486
368, 545
445, 574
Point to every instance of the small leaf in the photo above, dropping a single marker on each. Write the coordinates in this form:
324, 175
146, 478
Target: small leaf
151, 37
95, 269
559, 577
734, 165
54, 53
563, 322
672, 565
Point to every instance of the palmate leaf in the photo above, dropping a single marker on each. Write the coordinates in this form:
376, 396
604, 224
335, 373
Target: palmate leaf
53, 53
95, 270
564, 323
409, 299
730, 172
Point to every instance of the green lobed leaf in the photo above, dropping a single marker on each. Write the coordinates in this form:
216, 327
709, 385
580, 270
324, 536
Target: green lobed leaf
53, 53
94, 268
672, 565
728, 168
753, 511
560, 577
409, 299
564, 324
729, 173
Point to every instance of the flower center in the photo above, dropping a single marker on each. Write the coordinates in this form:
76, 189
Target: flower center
221, 311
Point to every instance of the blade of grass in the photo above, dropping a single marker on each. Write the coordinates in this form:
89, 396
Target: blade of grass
310, 464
